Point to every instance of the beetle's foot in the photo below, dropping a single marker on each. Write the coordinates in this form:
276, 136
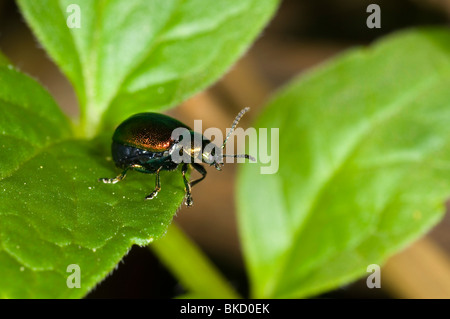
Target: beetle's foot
108, 180
116, 179
152, 195
189, 202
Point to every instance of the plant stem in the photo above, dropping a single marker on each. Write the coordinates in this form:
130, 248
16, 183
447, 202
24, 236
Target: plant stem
190, 265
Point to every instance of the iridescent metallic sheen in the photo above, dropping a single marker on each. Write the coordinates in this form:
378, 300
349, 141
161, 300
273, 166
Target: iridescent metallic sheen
149, 131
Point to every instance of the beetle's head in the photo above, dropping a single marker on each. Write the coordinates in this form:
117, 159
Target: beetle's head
196, 149
213, 155
192, 146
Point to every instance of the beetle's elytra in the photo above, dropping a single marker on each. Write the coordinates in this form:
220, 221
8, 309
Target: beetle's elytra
144, 143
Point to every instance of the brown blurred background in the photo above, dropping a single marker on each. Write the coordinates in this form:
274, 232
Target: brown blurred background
302, 34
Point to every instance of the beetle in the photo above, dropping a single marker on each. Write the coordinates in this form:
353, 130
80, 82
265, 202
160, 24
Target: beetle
145, 143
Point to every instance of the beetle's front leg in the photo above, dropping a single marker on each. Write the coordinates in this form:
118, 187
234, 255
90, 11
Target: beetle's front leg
187, 185
199, 169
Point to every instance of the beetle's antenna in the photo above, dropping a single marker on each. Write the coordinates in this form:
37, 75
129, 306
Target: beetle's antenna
240, 155
235, 122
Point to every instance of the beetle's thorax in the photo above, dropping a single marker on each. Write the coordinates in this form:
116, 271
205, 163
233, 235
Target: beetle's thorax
197, 148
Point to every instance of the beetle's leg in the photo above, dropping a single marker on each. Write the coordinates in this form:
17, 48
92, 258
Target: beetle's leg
187, 185
201, 170
119, 177
157, 187
115, 179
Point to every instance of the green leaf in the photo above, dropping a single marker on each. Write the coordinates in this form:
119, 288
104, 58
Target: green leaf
126, 57
53, 211
364, 146
3, 60
24, 101
140, 55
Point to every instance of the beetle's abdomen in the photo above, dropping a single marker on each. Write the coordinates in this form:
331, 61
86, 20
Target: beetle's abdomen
148, 131
124, 155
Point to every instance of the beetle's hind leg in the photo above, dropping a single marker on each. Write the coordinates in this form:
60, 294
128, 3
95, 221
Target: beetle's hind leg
157, 187
118, 178
115, 179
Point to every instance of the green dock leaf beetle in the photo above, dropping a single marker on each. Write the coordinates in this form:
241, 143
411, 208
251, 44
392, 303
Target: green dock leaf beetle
145, 143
